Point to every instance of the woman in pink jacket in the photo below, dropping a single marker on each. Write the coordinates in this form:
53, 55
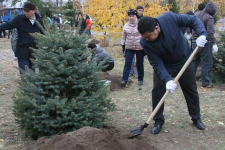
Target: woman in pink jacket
131, 45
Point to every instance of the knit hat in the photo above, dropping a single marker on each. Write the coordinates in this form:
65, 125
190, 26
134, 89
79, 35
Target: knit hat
132, 12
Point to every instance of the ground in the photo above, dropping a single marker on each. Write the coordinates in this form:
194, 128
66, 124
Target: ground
133, 107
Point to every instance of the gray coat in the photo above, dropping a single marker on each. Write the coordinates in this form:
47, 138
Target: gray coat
206, 16
100, 54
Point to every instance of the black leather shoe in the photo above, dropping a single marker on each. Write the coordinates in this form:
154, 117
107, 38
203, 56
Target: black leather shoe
157, 127
198, 123
123, 83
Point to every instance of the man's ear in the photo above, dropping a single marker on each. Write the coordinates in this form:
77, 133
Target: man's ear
157, 28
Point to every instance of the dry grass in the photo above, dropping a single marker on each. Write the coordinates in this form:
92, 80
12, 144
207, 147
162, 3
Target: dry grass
133, 107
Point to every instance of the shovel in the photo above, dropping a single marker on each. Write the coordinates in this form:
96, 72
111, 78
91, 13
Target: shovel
138, 130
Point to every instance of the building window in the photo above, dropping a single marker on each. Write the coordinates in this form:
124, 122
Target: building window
14, 12
3, 12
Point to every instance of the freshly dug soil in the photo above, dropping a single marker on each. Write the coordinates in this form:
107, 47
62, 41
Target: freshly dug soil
115, 81
88, 138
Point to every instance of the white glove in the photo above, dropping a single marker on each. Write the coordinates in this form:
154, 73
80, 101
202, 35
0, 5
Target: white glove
170, 85
215, 48
15, 58
201, 40
189, 36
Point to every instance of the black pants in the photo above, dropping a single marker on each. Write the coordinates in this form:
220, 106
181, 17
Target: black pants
4, 34
189, 88
109, 67
25, 62
205, 57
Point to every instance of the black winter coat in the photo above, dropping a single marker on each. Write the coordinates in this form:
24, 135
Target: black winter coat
24, 28
82, 26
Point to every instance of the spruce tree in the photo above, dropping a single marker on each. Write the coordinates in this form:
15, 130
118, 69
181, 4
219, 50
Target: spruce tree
218, 72
66, 92
174, 6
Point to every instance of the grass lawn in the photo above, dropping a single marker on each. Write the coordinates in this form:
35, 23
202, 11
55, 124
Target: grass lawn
133, 107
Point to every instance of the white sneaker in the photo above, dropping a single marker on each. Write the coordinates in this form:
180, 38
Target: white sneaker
15, 58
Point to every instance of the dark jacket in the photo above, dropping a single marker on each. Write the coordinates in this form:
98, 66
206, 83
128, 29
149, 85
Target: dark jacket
24, 27
139, 17
169, 52
206, 16
100, 54
82, 26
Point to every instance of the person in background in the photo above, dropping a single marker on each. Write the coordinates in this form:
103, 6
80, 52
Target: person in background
99, 54
25, 25
140, 10
56, 20
167, 50
205, 55
131, 45
133, 70
82, 23
14, 39
9, 31
49, 20
2, 31
88, 24
187, 29
201, 7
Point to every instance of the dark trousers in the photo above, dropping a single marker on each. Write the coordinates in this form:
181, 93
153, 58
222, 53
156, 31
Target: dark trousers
25, 62
109, 67
4, 34
129, 55
204, 56
189, 88
9, 32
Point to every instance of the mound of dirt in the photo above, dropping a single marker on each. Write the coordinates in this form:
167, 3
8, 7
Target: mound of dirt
115, 81
89, 138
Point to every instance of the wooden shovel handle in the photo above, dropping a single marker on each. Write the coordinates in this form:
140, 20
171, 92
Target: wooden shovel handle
175, 81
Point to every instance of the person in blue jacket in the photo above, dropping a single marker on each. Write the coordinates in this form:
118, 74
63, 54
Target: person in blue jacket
99, 55
167, 50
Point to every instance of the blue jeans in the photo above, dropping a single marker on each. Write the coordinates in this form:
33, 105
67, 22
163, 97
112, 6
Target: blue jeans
25, 62
129, 55
204, 56
132, 66
89, 32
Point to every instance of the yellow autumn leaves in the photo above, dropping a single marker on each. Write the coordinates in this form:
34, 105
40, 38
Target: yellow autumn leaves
111, 15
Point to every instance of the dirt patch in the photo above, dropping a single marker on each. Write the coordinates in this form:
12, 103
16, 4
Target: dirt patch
115, 81
89, 138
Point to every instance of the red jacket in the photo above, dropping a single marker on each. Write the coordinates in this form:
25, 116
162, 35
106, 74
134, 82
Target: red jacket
88, 23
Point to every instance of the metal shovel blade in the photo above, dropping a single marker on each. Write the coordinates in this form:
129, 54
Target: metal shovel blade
137, 130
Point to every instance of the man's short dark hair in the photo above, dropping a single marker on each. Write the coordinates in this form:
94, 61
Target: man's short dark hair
139, 7
189, 13
146, 24
91, 45
80, 13
201, 6
29, 6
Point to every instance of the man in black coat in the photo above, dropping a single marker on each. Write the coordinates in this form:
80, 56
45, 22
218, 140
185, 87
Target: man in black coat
82, 24
168, 50
25, 25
